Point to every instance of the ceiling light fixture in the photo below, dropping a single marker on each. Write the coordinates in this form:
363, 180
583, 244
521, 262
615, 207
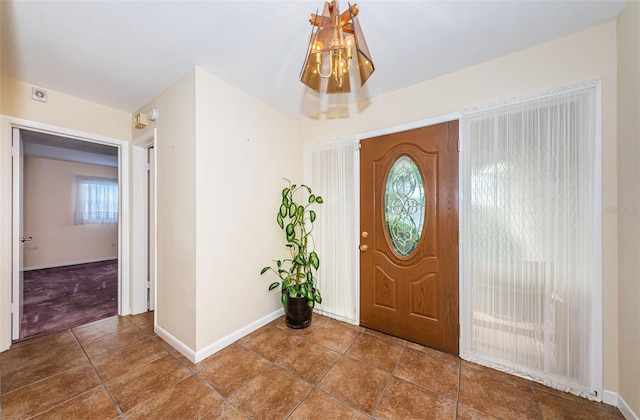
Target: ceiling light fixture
334, 37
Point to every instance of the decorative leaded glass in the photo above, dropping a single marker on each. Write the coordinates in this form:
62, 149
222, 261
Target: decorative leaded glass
404, 205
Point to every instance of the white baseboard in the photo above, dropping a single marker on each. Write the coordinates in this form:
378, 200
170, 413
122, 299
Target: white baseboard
40, 267
234, 336
196, 357
612, 398
175, 343
626, 410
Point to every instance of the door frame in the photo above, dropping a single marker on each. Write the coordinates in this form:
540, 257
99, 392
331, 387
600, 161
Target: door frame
381, 132
17, 207
7, 123
140, 217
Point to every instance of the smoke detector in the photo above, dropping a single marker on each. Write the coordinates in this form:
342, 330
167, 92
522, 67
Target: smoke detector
153, 114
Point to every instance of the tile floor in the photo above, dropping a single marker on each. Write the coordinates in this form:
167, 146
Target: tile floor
118, 368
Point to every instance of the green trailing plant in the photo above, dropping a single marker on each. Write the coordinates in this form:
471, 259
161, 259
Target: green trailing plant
298, 272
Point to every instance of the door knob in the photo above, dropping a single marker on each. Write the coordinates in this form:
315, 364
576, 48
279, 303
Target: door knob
364, 248
25, 238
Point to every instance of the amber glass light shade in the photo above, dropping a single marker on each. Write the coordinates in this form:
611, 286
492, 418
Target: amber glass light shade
334, 39
365, 65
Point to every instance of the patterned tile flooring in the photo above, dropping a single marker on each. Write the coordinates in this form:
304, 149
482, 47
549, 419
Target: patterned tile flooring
118, 368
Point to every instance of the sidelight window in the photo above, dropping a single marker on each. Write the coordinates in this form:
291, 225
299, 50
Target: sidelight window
531, 258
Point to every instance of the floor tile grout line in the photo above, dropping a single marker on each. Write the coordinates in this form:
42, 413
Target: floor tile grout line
275, 363
459, 386
160, 391
316, 385
393, 372
424, 388
151, 337
364, 331
535, 398
418, 385
342, 356
63, 402
224, 399
101, 337
299, 402
49, 377
496, 377
99, 377
313, 386
42, 379
195, 374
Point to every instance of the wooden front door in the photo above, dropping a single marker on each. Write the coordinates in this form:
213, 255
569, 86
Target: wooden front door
409, 235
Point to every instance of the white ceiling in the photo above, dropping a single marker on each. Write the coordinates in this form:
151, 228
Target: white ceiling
48, 146
123, 53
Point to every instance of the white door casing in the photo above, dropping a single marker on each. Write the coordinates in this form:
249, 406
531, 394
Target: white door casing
7, 124
152, 227
143, 250
17, 266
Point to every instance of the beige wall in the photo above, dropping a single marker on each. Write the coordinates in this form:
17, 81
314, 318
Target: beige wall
60, 111
629, 203
176, 208
243, 150
48, 216
587, 55
221, 157
63, 111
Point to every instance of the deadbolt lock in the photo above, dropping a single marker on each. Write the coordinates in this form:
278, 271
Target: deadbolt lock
365, 234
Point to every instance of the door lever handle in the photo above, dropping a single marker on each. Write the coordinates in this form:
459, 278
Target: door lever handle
26, 238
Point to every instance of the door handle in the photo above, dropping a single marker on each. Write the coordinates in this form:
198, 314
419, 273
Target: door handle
363, 248
26, 238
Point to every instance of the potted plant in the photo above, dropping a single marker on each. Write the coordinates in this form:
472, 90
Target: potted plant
299, 293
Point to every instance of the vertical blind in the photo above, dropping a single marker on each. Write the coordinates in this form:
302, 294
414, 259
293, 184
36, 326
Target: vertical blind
330, 170
531, 253
96, 200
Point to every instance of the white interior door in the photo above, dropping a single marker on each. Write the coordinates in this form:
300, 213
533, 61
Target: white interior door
152, 228
17, 160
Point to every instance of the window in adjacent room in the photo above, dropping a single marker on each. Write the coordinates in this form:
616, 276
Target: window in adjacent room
96, 200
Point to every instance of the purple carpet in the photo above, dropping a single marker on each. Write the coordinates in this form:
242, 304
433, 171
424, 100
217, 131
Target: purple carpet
64, 297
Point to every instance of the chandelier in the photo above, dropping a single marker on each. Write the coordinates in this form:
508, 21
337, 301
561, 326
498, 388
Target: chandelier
334, 39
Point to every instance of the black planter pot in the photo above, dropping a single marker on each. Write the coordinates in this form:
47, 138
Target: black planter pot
297, 313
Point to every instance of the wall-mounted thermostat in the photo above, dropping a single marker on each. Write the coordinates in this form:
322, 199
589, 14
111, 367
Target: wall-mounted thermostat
140, 120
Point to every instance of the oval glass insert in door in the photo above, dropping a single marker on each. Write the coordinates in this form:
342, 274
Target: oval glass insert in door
404, 206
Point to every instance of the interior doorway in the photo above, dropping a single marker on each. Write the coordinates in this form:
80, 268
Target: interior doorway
10, 156
409, 235
66, 199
